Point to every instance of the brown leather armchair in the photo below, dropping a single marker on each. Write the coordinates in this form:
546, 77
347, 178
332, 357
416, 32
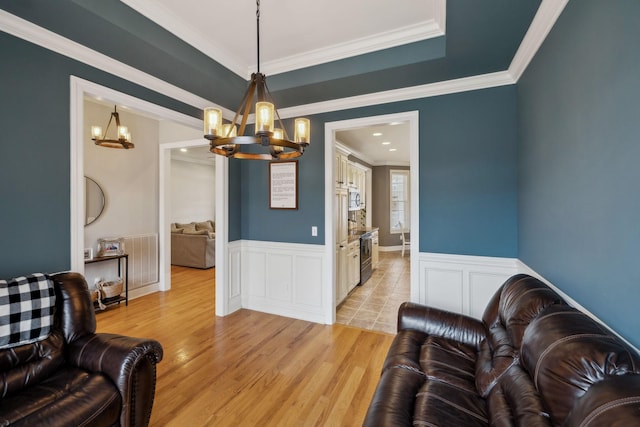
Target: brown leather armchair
76, 376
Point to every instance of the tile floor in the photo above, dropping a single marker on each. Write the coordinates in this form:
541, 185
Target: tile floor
374, 305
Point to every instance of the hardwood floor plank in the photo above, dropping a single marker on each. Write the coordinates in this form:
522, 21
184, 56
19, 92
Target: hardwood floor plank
249, 368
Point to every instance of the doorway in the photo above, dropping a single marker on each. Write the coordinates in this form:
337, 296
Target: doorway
331, 130
79, 90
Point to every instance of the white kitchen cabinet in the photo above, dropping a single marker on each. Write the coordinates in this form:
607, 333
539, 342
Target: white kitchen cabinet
375, 250
353, 271
342, 289
341, 169
341, 209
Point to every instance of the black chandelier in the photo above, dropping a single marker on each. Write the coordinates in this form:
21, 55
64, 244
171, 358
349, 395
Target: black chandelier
123, 136
226, 139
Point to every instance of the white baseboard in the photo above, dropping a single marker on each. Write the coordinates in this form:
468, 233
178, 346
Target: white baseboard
391, 248
144, 290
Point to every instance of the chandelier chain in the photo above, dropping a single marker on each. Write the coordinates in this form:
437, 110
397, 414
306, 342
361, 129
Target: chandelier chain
258, 30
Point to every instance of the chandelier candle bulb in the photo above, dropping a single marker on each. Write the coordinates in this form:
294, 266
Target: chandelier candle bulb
96, 131
302, 131
264, 118
278, 133
212, 121
122, 132
229, 130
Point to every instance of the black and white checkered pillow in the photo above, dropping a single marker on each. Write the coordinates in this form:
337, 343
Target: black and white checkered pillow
26, 309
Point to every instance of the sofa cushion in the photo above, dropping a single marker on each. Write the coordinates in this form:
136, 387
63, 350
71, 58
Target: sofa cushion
614, 401
514, 401
405, 349
186, 227
450, 362
26, 309
196, 232
439, 404
565, 352
70, 394
28, 364
393, 401
205, 225
495, 356
520, 302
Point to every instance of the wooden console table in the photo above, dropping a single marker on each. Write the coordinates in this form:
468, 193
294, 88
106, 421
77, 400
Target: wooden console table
120, 259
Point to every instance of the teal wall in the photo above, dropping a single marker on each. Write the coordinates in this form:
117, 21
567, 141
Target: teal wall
35, 153
468, 186
579, 208
476, 128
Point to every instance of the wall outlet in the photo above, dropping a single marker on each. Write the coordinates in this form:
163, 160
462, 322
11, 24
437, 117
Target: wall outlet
314, 231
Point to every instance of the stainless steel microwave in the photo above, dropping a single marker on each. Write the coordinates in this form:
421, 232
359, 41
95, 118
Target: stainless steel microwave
354, 200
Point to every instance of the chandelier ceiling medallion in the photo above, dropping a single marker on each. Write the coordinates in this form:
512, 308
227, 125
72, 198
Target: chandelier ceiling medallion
123, 136
226, 139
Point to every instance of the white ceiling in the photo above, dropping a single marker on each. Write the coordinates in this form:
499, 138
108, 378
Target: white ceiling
368, 147
199, 154
294, 33
300, 33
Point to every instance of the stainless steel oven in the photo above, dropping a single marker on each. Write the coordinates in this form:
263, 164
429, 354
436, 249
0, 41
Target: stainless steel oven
366, 248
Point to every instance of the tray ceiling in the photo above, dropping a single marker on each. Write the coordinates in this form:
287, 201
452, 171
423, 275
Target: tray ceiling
294, 34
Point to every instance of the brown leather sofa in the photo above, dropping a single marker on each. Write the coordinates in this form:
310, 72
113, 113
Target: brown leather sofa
531, 361
76, 377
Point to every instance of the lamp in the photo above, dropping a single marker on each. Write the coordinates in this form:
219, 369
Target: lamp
123, 135
226, 139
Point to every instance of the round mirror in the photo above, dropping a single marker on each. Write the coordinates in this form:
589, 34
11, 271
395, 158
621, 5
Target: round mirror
93, 200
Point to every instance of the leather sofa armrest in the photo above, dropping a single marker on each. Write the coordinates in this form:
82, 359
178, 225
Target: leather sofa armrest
129, 362
445, 324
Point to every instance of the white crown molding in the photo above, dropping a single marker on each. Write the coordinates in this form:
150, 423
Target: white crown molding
501, 78
35, 34
342, 148
159, 14
545, 19
409, 34
413, 33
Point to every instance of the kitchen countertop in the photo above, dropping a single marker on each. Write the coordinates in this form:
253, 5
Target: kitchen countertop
355, 234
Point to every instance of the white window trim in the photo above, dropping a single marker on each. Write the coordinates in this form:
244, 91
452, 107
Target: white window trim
393, 228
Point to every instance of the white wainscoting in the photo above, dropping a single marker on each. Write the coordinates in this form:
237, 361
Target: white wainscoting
460, 283
279, 278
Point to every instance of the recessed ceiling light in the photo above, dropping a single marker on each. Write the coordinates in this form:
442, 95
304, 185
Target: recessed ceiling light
386, 143
393, 149
377, 134
395, 123
184, 150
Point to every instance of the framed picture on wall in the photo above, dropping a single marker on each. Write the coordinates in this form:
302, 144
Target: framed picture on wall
88, 254
110, 247
283, 185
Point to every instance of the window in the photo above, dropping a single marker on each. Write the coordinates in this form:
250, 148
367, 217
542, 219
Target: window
399, 201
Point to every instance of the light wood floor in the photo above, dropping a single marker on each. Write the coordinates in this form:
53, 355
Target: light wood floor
249, 368
374, 305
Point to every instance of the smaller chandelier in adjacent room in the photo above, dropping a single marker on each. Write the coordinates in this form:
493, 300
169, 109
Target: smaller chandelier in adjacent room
226, 139
123, 136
